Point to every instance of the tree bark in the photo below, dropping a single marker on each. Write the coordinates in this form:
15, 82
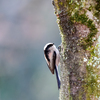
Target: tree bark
78, 34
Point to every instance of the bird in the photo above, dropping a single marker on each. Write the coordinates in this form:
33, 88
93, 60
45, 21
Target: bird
52, 58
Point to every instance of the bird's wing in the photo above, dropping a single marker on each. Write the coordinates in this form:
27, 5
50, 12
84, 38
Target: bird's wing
51, 69
51, 63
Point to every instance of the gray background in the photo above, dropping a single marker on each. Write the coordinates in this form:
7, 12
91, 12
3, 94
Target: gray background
25, 27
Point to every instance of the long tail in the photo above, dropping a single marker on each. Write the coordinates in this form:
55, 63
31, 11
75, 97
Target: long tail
57, 76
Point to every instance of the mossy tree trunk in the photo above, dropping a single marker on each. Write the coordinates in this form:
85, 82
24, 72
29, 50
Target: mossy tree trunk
79, 24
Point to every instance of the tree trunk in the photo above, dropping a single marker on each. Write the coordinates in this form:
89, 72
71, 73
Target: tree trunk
78, 30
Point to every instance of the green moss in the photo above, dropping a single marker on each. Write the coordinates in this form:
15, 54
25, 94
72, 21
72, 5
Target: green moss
83, 19
89, 22
92, 85
60, 3
80, 18
97, 7
77, 14
90, 8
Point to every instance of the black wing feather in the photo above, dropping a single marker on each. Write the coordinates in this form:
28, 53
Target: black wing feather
55, 68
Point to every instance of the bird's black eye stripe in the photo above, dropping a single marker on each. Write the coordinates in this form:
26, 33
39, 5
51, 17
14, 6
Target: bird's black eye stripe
46, 51
50, 45
46, 54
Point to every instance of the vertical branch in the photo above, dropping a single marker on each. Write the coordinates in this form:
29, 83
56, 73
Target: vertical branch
72, 65
77, 32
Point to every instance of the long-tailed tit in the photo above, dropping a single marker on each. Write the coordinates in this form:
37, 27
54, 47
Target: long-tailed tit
52, 57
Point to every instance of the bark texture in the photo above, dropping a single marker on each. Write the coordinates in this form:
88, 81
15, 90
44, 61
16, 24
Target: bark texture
73, 53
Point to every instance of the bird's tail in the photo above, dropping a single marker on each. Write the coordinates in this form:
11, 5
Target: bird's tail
57, 76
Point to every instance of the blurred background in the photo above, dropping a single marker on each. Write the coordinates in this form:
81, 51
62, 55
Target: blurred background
25, 27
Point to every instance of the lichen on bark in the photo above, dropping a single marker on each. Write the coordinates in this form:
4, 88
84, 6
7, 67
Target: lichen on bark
79, 31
